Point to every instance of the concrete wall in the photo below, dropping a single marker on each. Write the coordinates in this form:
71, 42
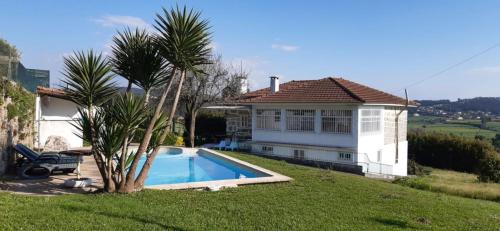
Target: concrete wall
53, 118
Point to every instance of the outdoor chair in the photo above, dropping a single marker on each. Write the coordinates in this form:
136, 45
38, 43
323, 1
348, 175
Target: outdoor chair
39, 166
221, 145
233, 146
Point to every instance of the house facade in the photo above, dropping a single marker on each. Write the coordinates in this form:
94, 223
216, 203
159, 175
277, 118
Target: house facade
54, 115
347, 125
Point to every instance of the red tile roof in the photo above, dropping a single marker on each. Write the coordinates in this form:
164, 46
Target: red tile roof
327, 90
52, 92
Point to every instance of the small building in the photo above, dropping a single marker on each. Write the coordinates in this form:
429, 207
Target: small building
54, 115
332, 121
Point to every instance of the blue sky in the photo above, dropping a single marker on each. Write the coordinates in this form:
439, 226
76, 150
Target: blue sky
384, 44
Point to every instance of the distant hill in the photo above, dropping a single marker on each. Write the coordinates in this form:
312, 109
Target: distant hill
485, 104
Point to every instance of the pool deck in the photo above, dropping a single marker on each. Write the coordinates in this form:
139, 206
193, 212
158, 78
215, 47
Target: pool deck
54, 185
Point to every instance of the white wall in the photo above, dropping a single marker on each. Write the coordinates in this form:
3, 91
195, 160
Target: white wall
53, 116
365, 147
308, 138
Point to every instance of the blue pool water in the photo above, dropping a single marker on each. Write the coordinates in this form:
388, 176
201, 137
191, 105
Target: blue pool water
173, 167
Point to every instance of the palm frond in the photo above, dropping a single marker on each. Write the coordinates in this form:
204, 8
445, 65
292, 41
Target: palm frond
136, 58
88, 78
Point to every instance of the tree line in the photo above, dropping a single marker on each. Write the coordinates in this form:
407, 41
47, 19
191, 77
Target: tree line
457, 153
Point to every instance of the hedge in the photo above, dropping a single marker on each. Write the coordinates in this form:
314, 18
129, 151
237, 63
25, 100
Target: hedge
452, 152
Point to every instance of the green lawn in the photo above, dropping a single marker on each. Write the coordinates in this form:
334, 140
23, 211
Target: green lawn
466, 128
315, 200
455, 183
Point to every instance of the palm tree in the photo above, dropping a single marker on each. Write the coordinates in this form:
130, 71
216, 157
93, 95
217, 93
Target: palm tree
183, 40
136, 58
89, 84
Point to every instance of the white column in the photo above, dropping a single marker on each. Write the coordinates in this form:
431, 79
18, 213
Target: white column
317, 121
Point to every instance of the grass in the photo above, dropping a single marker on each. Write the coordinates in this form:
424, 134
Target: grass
465, 128
315, 200
454, 183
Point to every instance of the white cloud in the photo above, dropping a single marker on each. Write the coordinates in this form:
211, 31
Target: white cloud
492, 71
284, 47
123, 20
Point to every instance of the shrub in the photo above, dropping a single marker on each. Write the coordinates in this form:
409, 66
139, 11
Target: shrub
448, 151
416, 169
174, 140
456, 153
413, 182
489, 170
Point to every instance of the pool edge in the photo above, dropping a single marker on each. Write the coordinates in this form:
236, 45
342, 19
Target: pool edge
273, 177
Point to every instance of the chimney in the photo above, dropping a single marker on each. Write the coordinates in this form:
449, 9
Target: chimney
275, 84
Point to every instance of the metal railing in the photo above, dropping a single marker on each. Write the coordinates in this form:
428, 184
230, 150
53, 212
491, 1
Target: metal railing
374, 167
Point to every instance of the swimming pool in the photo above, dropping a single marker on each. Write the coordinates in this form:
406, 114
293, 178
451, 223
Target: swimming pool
177, 166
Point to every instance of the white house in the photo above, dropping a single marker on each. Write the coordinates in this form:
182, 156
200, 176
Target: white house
350, 126
54, 113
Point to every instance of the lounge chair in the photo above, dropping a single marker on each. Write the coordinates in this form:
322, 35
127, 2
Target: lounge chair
232, 146
39, 166
221, 145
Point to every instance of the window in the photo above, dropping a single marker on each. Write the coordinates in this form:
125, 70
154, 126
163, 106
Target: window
336, 121
244, 123
298, 154
300, 120
268, 119
267, 149
390, 125
345, 156
370, 121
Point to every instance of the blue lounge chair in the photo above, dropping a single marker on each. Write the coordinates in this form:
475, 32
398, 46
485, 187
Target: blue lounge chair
221, 145
232, 146
39, 166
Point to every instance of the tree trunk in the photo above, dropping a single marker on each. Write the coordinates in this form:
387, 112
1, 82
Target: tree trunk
110, 185
97, 156
129, 86
176, 101
129, 185
192, 127
123, 157
139, 181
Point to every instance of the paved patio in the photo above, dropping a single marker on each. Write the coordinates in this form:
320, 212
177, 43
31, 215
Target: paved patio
54, 185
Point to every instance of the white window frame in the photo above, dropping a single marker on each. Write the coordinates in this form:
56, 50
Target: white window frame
345, 156
267, 149
268, 119
336, 121
371, 121
298, 154
300, 120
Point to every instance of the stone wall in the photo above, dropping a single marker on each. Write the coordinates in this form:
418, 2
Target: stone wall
13, 130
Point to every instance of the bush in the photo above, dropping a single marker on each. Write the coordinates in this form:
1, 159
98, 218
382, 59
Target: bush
456, 153
413, 182
448, 151
416, 169
489, 170
174, 140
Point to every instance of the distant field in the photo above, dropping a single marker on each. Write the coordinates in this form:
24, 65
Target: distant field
455, 183
465, 128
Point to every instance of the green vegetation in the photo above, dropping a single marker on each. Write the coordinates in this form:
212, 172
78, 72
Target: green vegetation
453, 183
465, 128
454, 152
22, 103
316, 200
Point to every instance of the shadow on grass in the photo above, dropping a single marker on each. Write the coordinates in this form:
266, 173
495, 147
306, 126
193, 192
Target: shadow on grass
72, 208
392, 222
